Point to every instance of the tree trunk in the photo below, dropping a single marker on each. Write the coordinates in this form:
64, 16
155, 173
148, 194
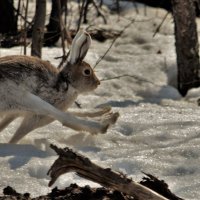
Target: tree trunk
53, 28
8, 22
38, 28
187, 46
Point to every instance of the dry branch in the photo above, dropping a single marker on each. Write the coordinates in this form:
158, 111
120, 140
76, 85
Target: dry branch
120, 33
99, 13
69, 161
159, 26
25, 25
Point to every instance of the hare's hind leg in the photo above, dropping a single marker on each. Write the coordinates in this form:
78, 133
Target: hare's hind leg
30, 123
25, 127
7, 120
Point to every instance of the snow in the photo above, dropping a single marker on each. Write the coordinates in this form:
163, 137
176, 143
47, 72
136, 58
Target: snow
158, 132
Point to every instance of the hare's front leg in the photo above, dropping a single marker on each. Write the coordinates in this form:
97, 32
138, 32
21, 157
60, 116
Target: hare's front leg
107, 117
32, 122
97, 112
33, 103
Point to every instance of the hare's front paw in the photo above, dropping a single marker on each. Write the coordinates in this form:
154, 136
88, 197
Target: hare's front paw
109, 119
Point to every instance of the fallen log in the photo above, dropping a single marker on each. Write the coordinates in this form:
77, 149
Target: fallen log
70, 161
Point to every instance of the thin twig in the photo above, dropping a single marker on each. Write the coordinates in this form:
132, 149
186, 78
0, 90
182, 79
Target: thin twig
18, 9
136, 7
100, 3
85, 11
120, 33
25, 24
138, 78
62, 29
136, 21
99, 13
81, 15
78, 104
159, 26
67, 26
70, 16
65, 9
118, 8
141, 79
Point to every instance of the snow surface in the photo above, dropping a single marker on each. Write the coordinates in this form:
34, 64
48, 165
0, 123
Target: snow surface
158, 132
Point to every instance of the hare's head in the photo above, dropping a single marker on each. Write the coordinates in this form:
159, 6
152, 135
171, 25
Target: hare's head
79, 73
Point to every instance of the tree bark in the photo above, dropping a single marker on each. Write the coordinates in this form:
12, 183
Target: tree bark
8, 20
38, 28
187, 46
53, 28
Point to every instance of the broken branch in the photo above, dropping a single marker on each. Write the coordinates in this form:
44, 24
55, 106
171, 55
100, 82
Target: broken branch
69, 161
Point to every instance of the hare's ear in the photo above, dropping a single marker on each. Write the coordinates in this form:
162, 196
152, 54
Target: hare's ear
79, 48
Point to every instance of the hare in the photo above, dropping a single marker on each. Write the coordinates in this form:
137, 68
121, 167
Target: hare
40, 93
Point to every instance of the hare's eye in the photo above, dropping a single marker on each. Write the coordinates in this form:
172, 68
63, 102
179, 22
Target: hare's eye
87, 72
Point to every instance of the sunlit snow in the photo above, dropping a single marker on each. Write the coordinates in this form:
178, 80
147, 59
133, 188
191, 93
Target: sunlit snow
158, 132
